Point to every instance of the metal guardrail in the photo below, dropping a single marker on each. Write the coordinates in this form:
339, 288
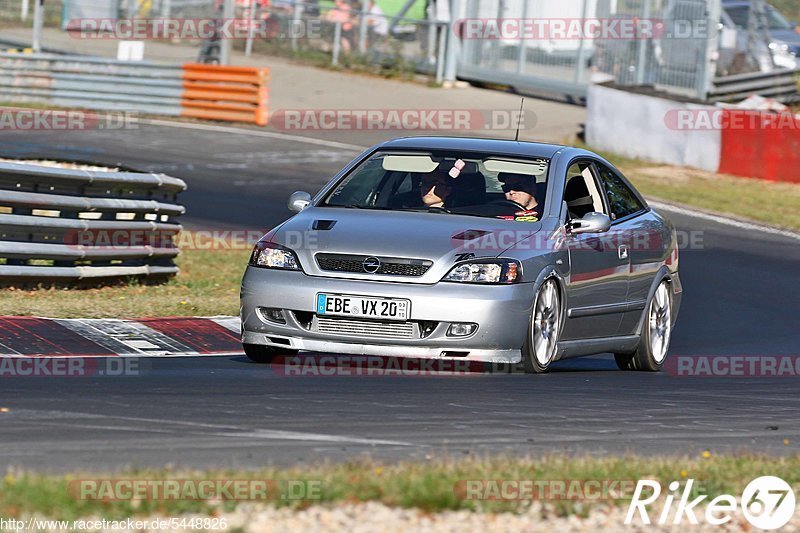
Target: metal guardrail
65, 224
781, 85
199, 91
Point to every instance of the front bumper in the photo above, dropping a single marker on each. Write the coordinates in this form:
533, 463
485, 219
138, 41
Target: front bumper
501, 312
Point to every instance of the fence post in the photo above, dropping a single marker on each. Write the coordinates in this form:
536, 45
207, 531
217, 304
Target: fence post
580, 60
522, 52
440, 53
641, 61
708, 69
494, 45
337, 43
297, 14
228, 12
251, 22
362, 28
38, 19
457, 10
24, 8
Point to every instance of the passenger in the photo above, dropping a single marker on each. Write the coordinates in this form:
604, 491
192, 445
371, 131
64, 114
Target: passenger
435, 189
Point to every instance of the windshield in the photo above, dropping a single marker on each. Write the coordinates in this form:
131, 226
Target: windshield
446, 182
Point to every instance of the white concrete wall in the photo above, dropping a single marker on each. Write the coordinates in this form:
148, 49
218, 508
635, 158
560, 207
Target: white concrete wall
635, 126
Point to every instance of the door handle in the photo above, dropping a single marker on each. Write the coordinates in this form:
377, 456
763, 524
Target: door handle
622, 252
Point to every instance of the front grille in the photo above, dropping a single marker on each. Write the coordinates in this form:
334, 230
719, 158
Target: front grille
390, 266
365, 328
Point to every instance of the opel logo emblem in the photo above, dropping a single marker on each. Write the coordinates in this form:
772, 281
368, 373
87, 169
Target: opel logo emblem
371, 265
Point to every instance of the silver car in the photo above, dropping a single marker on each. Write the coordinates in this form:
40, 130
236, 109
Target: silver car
471, 249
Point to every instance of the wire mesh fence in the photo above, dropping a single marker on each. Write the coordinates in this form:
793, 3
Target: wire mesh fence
665, 43
341, 33
17, 12
334, 32
677, 46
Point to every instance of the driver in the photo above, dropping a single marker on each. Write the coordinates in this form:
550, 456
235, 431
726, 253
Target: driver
521, 190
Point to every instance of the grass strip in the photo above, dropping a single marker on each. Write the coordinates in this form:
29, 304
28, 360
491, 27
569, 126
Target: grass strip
426, 485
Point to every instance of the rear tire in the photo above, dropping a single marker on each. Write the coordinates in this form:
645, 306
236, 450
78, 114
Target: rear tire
544, 330
264, 354
656, 333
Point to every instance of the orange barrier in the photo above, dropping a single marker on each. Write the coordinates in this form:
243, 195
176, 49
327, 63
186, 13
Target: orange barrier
759, 145
217, 92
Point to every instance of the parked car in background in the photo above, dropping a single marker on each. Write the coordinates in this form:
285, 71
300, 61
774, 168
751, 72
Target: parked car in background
782, 43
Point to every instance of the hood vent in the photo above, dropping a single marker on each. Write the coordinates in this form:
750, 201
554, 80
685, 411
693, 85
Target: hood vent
323, 225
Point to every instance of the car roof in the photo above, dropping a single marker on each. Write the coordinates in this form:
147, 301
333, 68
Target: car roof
472, 144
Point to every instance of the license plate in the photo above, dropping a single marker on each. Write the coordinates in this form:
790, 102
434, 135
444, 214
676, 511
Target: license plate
363, 307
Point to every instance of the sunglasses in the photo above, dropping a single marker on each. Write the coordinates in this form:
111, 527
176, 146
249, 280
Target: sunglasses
431, 181
519, 187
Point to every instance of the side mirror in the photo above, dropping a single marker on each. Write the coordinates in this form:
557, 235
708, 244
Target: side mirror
298, 201
590, 223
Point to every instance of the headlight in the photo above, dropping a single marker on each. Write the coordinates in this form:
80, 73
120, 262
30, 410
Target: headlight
501, 271
269, 255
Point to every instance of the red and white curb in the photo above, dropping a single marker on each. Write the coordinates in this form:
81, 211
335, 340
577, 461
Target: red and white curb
22, 336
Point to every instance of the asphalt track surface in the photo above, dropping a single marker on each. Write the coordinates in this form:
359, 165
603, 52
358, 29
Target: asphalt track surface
741, 298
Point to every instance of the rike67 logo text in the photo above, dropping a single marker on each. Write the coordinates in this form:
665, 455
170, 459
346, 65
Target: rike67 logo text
768, 503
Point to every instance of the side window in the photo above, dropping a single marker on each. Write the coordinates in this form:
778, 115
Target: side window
622, 201
581, 192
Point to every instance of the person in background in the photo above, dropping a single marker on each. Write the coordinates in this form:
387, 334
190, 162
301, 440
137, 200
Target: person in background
377, 22
344, 14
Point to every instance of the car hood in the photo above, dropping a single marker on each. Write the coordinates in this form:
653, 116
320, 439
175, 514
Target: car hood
439, 238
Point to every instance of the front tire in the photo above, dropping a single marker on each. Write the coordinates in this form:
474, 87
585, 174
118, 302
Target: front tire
264, 354
656, 334
541, 346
